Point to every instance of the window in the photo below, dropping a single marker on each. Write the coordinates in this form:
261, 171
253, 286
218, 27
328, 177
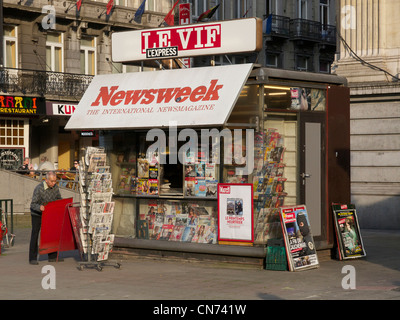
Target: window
88, 55
303, 63
12, 133
324, 66
273, 7
198, 7
159, 5
54, 52
324, 13
302, 9
10, 47
272, 60
123, 68
242, 9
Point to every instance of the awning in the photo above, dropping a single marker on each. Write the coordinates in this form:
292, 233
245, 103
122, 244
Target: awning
182, 97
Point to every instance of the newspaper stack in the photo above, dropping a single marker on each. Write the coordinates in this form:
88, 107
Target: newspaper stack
97, 207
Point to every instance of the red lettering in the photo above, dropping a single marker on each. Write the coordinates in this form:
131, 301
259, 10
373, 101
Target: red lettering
165, 95
10, 100
148, 96
117, 98
133, 96
212, 93
198, 93
104, 95
185, 38
183, 94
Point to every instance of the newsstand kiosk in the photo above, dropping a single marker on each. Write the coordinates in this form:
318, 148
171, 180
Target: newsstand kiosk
203, 158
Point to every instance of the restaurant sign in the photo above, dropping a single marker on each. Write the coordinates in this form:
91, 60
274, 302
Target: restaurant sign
21, 105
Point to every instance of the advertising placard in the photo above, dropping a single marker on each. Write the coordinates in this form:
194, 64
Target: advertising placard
235, 212
348, 234
188, 97
299, 242
212, 38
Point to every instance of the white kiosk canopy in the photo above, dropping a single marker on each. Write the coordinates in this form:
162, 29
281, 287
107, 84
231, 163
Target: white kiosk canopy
189, 97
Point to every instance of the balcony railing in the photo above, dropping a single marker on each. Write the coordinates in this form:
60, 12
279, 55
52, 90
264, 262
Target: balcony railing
302, 29
43, 83
276, 25
328, 34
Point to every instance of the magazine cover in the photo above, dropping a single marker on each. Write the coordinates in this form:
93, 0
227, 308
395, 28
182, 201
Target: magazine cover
299, 242
348, 234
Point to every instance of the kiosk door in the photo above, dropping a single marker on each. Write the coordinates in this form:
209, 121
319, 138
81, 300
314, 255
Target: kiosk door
312, 169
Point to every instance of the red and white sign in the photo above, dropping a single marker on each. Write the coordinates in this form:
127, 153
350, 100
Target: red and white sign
185, 17
221, 37
60, 109
235, 212
186, 97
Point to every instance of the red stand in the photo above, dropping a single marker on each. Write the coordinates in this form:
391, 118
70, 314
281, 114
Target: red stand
56, 233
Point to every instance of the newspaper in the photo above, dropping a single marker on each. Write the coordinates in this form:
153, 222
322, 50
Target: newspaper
97, 207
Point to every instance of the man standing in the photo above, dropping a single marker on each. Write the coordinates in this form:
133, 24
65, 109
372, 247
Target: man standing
47, 191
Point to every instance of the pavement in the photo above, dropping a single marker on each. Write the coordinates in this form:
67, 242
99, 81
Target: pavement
376, 277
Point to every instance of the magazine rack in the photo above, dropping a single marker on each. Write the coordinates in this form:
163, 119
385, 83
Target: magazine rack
96, 211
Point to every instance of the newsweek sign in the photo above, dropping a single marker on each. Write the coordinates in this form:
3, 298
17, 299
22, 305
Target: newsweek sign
221, 37
187, 97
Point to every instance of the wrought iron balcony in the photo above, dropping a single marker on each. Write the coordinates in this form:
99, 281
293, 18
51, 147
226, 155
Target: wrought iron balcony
302, 29
275, 25
43, 83
328, 34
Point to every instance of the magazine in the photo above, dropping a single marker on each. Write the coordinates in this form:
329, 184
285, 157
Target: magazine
348, 236
299, 243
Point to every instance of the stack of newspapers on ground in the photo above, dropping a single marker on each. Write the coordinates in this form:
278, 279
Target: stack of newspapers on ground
97, 207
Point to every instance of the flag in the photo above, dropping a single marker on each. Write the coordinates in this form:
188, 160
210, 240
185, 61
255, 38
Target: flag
110, 5
139, 13
169, 18
208, 14
78, 5
247, 11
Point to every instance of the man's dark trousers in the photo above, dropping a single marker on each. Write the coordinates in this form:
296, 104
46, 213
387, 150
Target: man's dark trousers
33, 246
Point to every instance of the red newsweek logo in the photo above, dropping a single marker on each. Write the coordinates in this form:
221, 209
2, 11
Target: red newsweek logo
185, 38
112, 96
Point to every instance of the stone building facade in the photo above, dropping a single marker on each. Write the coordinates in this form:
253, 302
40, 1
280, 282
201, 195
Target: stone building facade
370, 60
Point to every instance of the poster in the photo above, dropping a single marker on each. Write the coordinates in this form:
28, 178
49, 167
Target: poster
299, 242
235, 212
348, 234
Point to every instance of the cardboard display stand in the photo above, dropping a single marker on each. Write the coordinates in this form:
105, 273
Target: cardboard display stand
235, 212
348, 236
300, 248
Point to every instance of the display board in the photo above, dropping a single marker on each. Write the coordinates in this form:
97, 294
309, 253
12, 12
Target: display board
194, 97
74, 215
348, 234
235, 212
56, 232
299, 242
